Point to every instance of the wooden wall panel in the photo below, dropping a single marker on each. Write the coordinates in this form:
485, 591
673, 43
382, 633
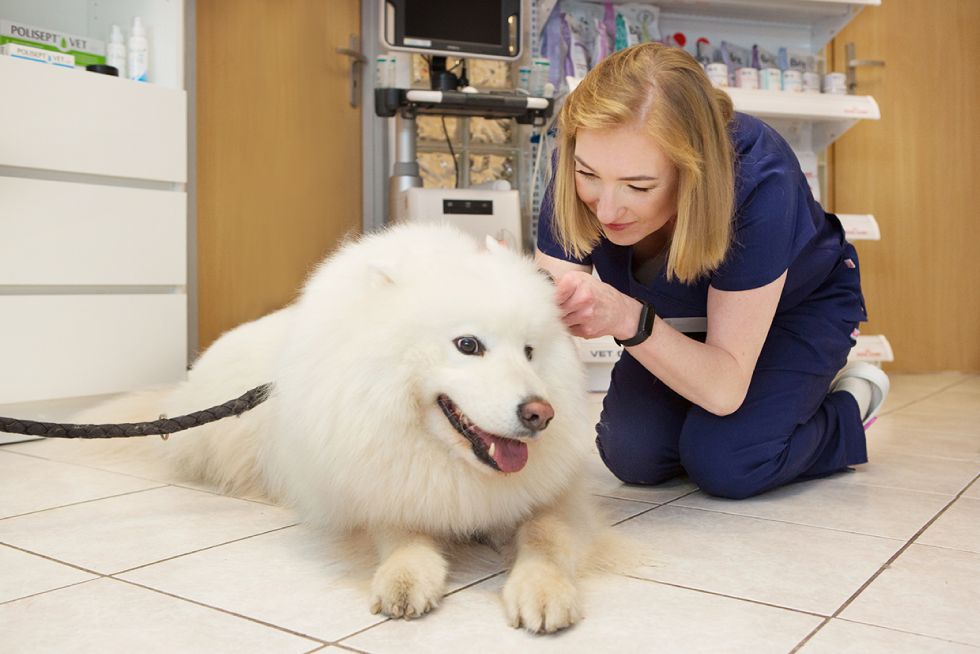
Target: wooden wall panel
917, 171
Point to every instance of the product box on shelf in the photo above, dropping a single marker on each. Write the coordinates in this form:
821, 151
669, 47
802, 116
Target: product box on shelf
28, 53
85, 50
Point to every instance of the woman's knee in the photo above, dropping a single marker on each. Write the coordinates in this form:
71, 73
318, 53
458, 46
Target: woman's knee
719, 472
640, 425
636, 460
724, 484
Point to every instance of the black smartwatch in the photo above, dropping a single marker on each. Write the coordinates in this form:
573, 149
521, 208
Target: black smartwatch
643, 328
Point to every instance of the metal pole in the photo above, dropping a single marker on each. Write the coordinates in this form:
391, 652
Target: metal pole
405, 169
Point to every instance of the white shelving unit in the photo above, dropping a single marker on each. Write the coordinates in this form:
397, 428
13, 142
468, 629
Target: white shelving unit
809, 121
860, 227
873, 348
93, 211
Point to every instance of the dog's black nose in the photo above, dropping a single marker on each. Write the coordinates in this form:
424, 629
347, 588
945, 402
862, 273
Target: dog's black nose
535, 413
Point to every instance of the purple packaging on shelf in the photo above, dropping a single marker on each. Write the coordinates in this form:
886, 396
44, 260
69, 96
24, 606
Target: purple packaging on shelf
552, 47
567, 67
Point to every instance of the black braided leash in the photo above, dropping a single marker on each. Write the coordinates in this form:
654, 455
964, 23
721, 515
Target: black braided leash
162, 427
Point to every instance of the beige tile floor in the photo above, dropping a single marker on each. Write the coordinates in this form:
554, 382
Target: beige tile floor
885, 558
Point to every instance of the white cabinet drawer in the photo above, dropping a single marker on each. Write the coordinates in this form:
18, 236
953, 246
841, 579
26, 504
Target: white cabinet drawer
81, 122
62, 233
56, 346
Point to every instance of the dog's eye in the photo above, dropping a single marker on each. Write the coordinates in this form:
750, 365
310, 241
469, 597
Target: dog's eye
469, 345
528, 352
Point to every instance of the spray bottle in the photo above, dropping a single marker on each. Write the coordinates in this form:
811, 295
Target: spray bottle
139, 54
115, 52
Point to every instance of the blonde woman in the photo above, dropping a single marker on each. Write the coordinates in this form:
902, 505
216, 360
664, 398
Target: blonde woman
734, 293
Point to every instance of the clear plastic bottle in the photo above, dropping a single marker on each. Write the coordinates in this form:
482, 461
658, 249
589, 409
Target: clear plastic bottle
540, 72
381, 71
115, 52
139, 52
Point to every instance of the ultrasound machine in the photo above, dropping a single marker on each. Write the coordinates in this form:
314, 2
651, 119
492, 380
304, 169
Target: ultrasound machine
437, 29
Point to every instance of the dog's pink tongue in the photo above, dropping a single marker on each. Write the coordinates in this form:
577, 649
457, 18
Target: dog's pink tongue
509, 454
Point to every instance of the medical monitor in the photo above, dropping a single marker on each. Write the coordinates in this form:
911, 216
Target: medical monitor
485, 29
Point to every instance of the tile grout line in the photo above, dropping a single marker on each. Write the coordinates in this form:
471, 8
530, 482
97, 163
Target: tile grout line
50, 590
655, 505
360, 631
202, 549
909, 633
661, 505
163, 484
53, 560
88, 501
175, 483
926, 397
628, 518
966, 378
625, 499
726, 596
324, 643
79, 464
904, 488
473, 583
387, 620
348, 648
788, 522
112, 575
881, 569
315, 639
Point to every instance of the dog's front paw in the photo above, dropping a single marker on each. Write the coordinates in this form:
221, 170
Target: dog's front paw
409, 584
539, 597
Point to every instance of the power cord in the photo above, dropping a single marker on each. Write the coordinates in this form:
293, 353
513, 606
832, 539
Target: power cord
452, 152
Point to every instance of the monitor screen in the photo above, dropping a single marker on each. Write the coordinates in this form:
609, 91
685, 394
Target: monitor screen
475, 28
470, 22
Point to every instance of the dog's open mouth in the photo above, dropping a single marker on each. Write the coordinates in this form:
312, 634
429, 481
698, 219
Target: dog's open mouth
503, 454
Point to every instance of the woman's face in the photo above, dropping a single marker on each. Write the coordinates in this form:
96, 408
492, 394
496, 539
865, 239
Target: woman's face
626, 180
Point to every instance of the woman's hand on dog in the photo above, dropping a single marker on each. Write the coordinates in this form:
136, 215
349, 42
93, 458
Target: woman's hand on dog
591, 308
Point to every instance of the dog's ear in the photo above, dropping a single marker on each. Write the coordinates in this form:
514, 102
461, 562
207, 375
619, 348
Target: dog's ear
381, 273
494, 246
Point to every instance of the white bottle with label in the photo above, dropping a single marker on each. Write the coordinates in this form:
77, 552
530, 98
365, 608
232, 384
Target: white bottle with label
115, 51
139, 52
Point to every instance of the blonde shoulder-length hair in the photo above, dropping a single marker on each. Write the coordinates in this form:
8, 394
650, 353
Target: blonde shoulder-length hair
664, 91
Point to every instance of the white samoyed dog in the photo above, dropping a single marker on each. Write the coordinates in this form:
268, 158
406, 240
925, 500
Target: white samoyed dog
425, 393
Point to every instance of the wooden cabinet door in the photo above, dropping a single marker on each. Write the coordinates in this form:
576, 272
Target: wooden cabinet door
917, 170
278, 151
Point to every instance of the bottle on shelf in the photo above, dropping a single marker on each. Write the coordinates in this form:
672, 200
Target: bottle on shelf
115, 52
138, 58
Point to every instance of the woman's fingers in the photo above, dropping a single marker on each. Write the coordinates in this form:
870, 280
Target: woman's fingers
565, 287
574, 293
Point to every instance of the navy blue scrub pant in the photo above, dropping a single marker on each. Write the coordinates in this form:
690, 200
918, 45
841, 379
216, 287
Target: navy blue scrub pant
788, 429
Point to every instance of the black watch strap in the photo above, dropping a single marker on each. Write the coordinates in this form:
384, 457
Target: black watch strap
643, 327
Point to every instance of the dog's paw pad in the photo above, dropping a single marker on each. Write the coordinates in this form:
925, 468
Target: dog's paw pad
541, 599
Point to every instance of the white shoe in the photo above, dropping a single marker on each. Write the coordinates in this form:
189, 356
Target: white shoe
874, 376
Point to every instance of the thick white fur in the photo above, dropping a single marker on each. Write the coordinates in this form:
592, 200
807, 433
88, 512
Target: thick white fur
353, 437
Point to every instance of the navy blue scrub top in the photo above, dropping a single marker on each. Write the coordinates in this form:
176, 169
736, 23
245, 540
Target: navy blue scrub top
778, 226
